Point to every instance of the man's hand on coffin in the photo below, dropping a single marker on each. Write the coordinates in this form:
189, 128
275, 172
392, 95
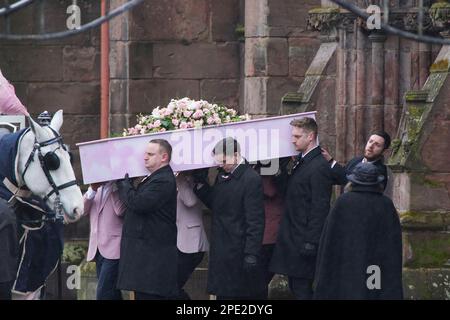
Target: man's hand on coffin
95, 186
200, 176
124, 184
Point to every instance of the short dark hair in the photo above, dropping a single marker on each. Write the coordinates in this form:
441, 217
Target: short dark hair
227, 146
308, 124
385, 136
164, 145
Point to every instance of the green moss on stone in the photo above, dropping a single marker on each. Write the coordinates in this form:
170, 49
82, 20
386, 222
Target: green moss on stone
441, 4
74, 252
423, 220
240, 32
431, 252
440, 66
416, 95
88, 268
322, 10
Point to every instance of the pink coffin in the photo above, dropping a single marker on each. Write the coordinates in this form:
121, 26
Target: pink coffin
260, 139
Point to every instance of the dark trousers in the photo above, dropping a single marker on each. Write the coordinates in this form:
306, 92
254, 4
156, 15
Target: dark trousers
107, 273
266, 255
5, 290
301, 288
187, 262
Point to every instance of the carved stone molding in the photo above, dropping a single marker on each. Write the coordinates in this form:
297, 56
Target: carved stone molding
440, 17
435, 19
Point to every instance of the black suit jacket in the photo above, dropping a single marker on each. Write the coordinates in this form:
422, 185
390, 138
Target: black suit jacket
148, 261
340, 173
307, 205
237, 229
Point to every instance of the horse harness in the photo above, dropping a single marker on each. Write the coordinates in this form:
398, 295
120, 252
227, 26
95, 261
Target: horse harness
49, 162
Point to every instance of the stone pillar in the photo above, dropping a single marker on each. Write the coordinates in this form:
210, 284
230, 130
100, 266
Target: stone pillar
356, 137
275, 40
375, 119
119, 70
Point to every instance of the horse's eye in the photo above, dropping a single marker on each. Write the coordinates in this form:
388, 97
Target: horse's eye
51, 161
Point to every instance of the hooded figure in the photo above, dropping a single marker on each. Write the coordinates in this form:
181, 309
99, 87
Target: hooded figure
360, 252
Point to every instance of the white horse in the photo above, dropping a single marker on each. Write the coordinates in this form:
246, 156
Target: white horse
39, 165
44, 167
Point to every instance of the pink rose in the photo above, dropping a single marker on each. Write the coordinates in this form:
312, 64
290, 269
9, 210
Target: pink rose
210, 120
157, 124
183, 125
175, 122
198, 114
187, 113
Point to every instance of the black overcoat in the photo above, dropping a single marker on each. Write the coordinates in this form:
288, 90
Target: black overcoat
148, 261
340, 173
307, 204
236, 201
362, 230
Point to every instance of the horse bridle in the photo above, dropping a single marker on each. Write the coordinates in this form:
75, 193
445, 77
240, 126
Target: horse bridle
50, 162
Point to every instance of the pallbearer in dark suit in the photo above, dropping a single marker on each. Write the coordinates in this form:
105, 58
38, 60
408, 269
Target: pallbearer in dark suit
148, 263
236, 201
307, 204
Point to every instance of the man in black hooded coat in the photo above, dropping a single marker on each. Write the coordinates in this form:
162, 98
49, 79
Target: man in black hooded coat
360, 252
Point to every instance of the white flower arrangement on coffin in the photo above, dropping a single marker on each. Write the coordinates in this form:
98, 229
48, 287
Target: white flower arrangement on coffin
183, 114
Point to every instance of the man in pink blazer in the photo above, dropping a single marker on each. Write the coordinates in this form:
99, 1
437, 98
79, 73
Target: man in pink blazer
9, 103
192, 241
102, 204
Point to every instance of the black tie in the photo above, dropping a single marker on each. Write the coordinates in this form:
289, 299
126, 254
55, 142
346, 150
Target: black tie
298, 161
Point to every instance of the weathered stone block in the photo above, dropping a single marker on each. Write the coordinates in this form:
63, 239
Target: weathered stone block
223, 91
263, 95
426, 284
196, 61
255, 57
81, 63
42, 63
119, 26
224, 18
429, 193
79, 98
436, 149
80, 128
117, 123
425, 249
170, 20
141, 60
55, 20
118, 96
256, 18
277, 57
144, 95
301, 54
289, 17
119, 60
